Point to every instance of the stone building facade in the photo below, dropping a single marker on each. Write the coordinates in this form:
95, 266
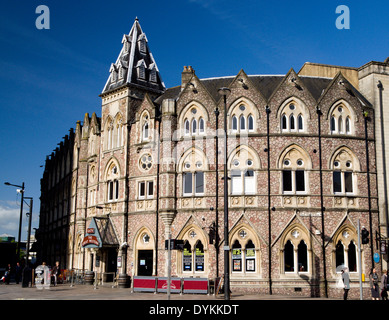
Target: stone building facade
302, 171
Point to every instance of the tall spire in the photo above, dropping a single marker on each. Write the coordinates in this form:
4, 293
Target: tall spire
135, 64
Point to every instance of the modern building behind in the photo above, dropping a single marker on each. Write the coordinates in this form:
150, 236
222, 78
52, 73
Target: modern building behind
305, 162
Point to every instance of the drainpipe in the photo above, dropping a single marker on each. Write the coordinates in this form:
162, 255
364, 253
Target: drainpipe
217, 193
268, 193
127, 188
365, 115
381, 88
159, 118
75, 204
319, 114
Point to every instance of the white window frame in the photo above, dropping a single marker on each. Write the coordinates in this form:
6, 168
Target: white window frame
113, 187
147, 188
241, 180
193, 183
343, 182
294, 182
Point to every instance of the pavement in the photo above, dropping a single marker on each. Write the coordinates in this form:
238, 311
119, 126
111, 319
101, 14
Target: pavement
85, 301
15, 291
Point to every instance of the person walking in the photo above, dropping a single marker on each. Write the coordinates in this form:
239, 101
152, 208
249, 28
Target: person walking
375, 293
346, 282
384, 285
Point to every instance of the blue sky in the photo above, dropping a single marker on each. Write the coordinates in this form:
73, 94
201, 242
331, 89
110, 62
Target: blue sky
50, 78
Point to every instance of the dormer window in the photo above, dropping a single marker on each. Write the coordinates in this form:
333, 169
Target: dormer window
141, 72
141, 67
120, 73
114, 76
126, 46
142, 43
153, 75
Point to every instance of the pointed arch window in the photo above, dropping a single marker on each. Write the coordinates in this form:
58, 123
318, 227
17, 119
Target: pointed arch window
119, 134
339, 254
341, 121
292, 123
289, 257
234, 123
250, 122
352, 256
195, 258
242, 123
292, 119
187, 130
295, 252
145, 131
250, 257
109, 135
194, 126
333, 125
194, 121
199, 257
302, 257
300, 121
284, 120
187, 257
345, 253
201, 125
242, 118
348, 125
236, 257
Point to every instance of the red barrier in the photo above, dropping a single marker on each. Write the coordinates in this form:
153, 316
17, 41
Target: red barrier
195, 285
175, 285
144, 284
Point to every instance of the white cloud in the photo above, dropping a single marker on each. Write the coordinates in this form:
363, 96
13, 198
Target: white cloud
9, 217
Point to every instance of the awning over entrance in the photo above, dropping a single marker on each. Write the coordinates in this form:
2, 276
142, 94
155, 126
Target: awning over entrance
100, 233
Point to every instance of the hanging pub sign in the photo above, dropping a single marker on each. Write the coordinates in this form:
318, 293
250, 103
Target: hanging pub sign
92, 238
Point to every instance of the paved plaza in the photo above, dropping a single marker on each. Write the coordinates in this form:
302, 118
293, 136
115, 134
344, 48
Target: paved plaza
107, 292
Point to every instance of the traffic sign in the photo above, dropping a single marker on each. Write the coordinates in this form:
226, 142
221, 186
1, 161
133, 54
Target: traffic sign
376, 258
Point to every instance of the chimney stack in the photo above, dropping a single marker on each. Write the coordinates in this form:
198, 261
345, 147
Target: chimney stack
186, 75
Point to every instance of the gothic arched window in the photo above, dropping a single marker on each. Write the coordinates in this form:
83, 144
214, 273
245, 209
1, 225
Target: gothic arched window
292, 117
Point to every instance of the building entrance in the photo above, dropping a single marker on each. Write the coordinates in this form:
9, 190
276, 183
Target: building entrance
145, 262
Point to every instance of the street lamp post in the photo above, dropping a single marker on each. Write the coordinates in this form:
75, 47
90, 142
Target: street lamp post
21, 215
29, 230
224, 92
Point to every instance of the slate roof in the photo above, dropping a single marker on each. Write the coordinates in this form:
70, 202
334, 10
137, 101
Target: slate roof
130, 59
266, 84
